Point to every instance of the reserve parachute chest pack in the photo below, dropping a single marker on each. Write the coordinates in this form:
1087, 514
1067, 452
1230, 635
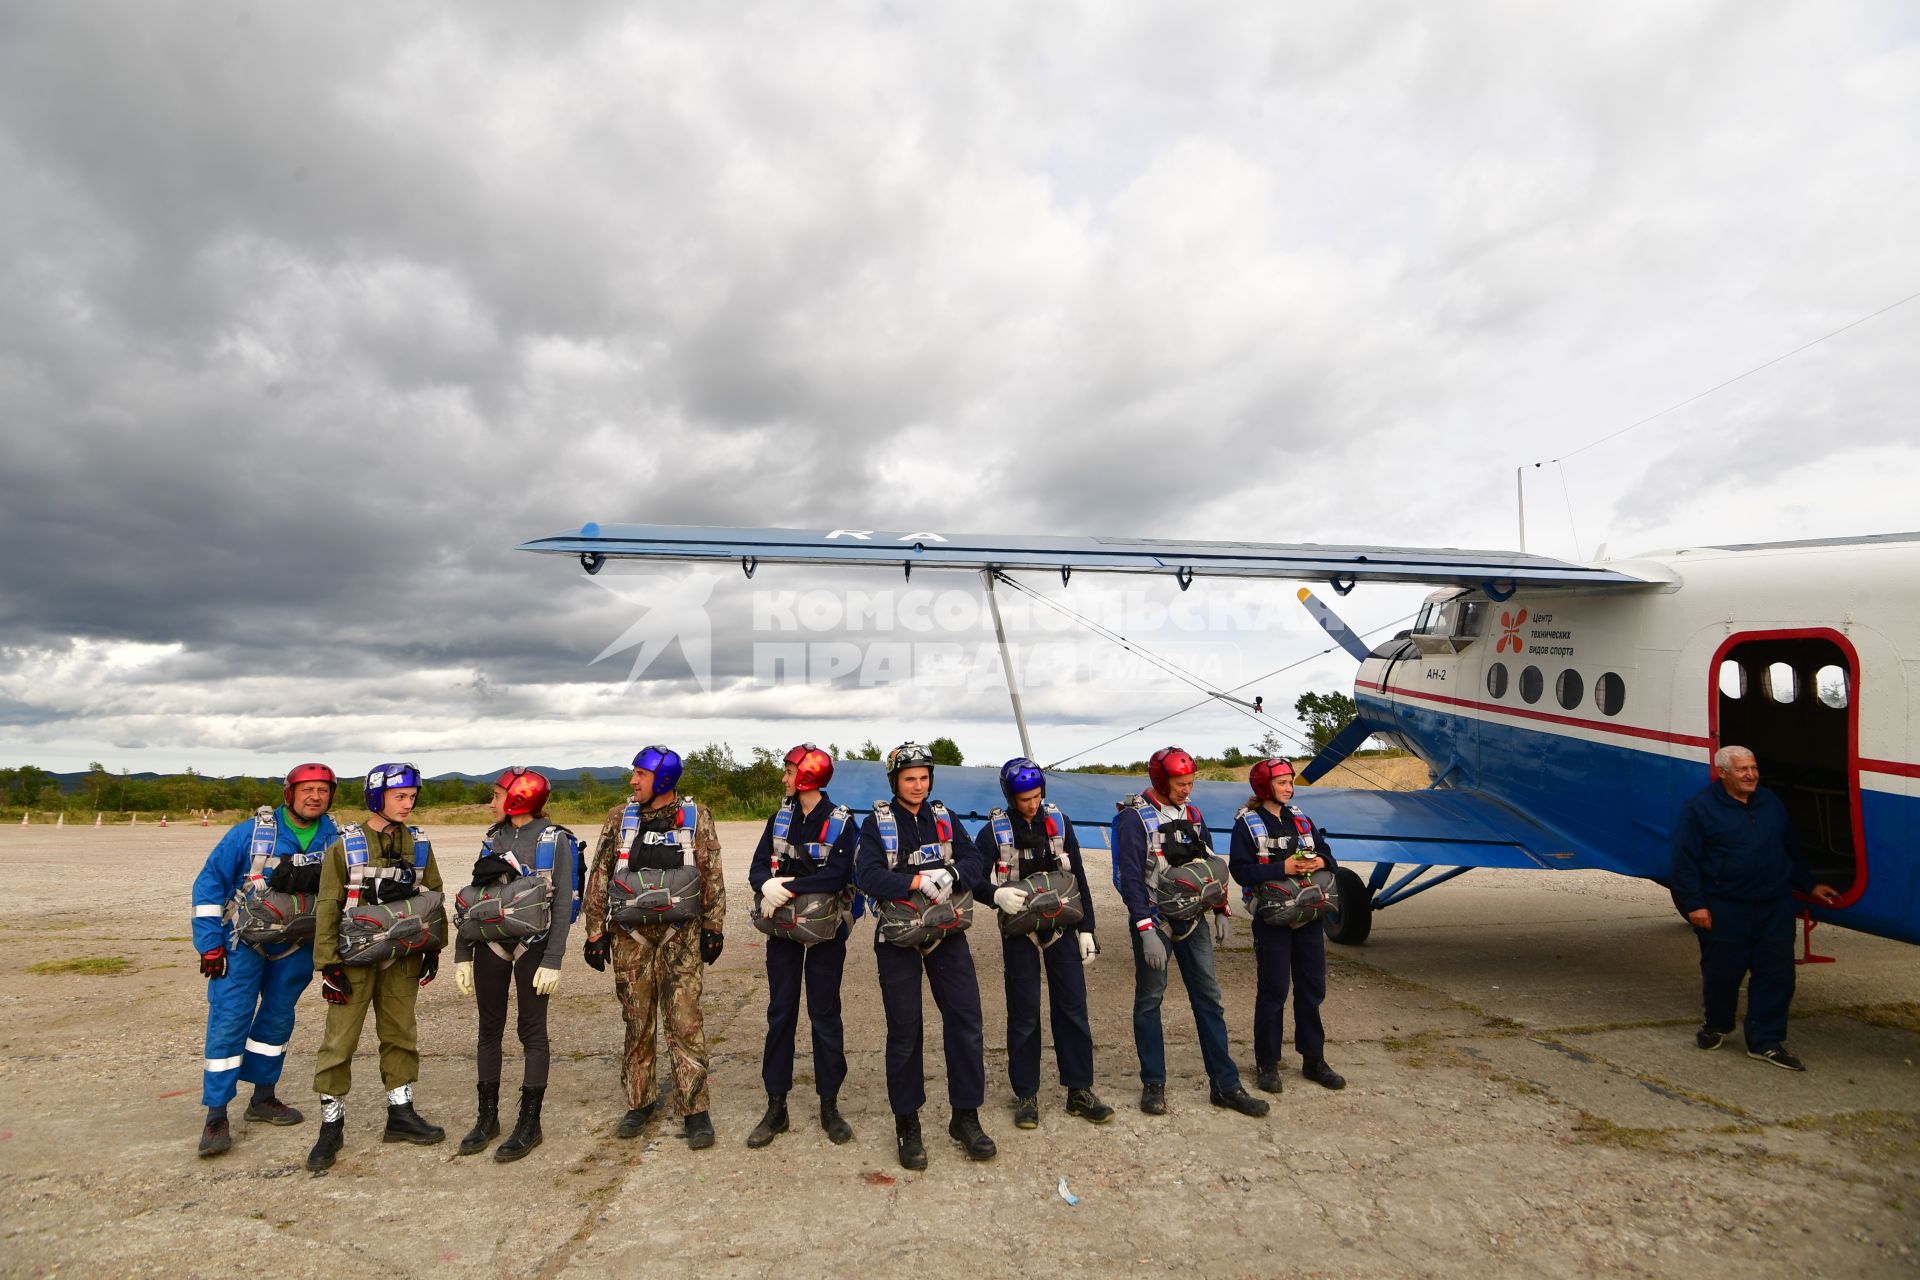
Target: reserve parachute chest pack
638, 894
270, 915
806, 918
1293, 901
1053, 896
519, 908
916, 920
388, 914
1181, 890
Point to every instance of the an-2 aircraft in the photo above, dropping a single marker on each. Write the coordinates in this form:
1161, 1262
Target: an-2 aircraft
1564, 710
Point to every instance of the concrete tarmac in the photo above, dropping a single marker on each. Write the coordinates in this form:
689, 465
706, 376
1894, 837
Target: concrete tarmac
1525, 1098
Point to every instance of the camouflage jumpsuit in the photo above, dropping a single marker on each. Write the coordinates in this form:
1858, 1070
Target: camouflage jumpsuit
660, 963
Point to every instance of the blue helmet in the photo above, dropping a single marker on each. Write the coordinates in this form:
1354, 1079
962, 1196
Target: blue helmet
1020, 775
663, 764
383, 778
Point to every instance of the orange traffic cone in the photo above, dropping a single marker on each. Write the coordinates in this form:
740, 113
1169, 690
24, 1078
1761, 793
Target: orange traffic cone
23, 817
96, 819
203, 818
61, 821
163, 819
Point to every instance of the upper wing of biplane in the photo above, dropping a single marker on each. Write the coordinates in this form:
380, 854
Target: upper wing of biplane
1342, 566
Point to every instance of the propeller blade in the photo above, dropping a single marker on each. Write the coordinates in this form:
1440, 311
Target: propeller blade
1329, 620
1343, 744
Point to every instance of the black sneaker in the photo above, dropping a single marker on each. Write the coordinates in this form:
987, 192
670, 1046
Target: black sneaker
216, 1138
1153, 1099
1267, 1077
1086, 1104
1026, 1113
273, 1111
1778, 1057
635, 1120
1238, 1099
1707, 1038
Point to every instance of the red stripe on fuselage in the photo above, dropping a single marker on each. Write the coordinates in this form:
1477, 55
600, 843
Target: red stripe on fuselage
1525, 713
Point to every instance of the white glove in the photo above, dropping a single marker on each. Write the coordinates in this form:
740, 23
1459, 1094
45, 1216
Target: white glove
937, 884
1088, 948
1010, 899
774, 894
1221, 928
463, 977
545, 981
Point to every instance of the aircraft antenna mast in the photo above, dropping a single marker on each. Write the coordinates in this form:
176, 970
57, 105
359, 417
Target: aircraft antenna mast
1006, 664
1520, 497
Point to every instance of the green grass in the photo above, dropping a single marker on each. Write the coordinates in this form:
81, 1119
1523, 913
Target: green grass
96, 966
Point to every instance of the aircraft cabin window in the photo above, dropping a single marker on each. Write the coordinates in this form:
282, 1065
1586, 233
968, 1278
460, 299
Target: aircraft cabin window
1783, 683
1733, 679
1532, 684
1610, 694
1569, 688
1473, 619
1497, 680
1830, 686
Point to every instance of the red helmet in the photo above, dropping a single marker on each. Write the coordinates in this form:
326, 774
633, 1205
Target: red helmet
1169, 762
526, 790
1261, 777
812, 767
310, 773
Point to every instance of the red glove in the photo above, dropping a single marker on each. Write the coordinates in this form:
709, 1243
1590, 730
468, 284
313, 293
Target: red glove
213, 964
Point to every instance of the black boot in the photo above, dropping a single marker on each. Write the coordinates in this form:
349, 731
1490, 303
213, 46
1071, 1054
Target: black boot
1267, 1076
333, 1136
1238, 1099
1086, 1104
487, 1126
404, 1124
906, 1132
635, 1120
526, 1130
838, 1130
771, 1124
699, 1130
965, 1129
1317, 1070
1026, 1113
217, 1137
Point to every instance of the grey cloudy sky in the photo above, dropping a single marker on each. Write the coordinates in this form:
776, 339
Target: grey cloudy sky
310, 314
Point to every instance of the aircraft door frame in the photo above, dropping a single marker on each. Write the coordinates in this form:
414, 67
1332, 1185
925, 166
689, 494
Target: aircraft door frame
1855, 680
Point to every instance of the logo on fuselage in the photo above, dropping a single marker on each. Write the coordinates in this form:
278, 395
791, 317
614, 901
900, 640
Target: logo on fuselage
1510, 624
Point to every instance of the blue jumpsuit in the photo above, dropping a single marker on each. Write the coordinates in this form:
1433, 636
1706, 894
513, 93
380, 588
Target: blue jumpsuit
250, 1011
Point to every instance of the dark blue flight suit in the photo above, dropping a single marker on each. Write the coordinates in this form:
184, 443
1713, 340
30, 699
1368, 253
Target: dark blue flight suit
820, 965
1191, 951
1743, 863
948, 968
1022, 962
1283, 957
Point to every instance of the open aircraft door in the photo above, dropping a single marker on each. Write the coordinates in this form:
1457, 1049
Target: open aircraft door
1793, 697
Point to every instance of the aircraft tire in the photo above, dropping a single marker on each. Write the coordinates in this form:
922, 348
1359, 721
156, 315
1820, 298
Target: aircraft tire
1354, 921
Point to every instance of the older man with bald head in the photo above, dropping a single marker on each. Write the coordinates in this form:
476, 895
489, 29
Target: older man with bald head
1736, 867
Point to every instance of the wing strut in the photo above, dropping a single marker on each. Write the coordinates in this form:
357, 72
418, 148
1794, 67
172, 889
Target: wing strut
1006, 663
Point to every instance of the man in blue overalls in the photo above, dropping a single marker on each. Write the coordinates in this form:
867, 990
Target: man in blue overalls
910, 845
1736, 864
251, 991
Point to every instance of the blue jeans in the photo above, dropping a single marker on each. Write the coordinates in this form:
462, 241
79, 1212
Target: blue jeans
1194, 955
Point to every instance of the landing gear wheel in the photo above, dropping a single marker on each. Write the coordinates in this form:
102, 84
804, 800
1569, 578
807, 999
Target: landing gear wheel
1350, 925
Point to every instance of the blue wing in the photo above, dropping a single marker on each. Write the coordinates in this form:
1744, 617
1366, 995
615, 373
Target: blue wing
925, 549
1417, 828
1444, 828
